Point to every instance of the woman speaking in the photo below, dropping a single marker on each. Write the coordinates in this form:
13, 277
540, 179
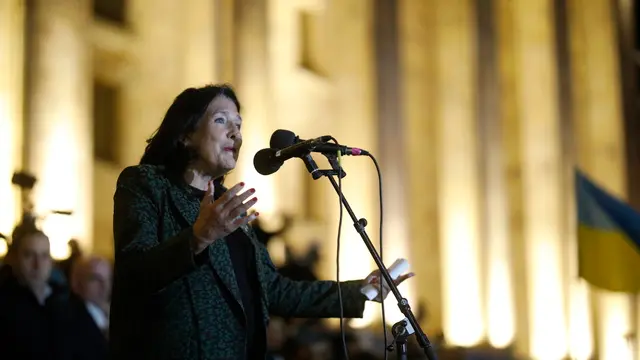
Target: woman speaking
191, 280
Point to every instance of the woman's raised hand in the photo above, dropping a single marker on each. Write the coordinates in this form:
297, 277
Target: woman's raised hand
219, 218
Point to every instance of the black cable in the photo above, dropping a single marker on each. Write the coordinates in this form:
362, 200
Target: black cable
340, 197
384, 320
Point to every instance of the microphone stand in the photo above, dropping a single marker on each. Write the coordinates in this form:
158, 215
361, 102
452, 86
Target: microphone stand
401, 333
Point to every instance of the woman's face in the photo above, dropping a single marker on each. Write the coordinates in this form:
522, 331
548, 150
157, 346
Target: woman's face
217, 138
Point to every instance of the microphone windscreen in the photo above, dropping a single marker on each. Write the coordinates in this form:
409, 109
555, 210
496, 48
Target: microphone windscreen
281, 139
265, 162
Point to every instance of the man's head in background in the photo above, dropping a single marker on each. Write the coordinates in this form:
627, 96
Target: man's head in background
30, 258
91, 279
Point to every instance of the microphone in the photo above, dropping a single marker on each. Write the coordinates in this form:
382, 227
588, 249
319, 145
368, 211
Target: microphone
265, 161
286, 145
289, 143
283, 138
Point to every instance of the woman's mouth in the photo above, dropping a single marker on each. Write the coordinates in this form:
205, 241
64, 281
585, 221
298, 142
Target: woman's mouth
230, 149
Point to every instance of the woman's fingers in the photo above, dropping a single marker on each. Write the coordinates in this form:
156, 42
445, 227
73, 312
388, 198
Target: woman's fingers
208, 195
237, 200
242, 208
228, 195
245, 219
404, 277
226, 213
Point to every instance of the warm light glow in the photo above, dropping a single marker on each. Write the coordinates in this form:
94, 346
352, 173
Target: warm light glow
537, 113
265, 193
463, 315
392, 311
501, 326
616, 326
11, 71
500, 307
201, 45
371, 313
59, 136
458, 178
599, 123
58, 189
548, 330
57, 227
396, 246
7, 164
252, 89
355, 260
3, 248
580, 329
277, 251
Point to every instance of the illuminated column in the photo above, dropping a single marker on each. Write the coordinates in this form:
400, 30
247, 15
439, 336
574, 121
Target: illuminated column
416, 42
528, 66
512, 158
496, 266
457, 175
252, 83
200, 42
391, 133
353, 122
225, 36
11, 77
600, 151
59, 131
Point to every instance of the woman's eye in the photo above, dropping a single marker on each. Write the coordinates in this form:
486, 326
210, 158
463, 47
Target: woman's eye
219, 120
238, 126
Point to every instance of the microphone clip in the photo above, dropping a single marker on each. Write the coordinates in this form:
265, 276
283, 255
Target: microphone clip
335, 165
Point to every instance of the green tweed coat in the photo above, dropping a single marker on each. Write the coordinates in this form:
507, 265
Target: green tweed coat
168, 304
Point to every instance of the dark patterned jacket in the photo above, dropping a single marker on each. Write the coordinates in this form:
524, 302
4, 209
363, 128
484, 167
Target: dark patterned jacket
168, 305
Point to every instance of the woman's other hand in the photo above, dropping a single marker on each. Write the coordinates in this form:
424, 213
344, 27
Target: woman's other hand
375, 278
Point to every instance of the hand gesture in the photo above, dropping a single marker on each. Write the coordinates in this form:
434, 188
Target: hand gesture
375, 278
221, 217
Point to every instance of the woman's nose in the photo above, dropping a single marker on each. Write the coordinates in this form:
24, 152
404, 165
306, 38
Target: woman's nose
233, 133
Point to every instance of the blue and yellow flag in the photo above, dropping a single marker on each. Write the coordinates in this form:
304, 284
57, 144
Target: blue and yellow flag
608, 239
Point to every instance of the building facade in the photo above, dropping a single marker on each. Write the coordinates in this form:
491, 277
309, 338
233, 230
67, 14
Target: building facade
478, 112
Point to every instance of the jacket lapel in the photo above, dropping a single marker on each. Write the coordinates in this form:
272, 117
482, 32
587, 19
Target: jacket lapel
260, 270
219, 256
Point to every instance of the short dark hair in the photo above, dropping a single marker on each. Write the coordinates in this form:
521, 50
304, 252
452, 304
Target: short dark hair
21, 232
166, 146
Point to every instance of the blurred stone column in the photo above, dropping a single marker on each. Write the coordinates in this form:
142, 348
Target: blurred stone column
251, 78
351, 103
12, 13
201, 42
418, 100
600, 151
458, 171
59, 138
496, 250
392, 155
531, 130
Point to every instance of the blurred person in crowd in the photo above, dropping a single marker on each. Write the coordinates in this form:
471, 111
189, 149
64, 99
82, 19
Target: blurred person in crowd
276, 337
265, 236
75, 252
91, 282
191, 280
91, 287
27, 225
36, 319
301, 268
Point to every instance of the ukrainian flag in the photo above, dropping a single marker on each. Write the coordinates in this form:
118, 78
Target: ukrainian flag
608, 239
